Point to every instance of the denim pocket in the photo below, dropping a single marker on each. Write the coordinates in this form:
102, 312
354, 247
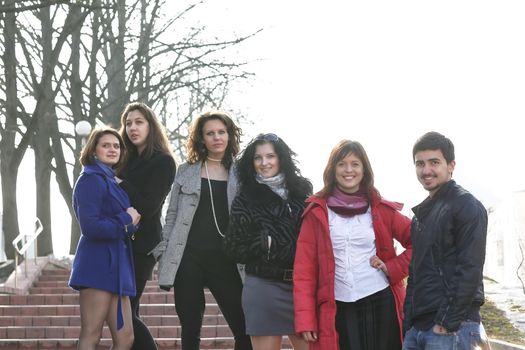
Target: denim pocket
472, 336
437, 341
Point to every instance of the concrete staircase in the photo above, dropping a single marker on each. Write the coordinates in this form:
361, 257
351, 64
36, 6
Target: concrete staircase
46, 316
40, 312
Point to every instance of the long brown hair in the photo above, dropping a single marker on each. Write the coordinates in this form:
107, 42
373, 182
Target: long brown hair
195, 145
87, 155
157, 141
339, 152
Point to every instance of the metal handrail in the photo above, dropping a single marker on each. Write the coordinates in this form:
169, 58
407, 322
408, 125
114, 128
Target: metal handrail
22, 242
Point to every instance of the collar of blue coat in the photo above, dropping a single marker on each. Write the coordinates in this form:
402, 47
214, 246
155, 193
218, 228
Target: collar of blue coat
114, 189
106, 169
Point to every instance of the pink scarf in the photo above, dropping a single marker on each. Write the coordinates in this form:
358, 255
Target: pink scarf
346, 204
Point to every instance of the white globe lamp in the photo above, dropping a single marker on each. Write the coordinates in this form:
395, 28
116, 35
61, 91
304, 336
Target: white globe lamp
83, 128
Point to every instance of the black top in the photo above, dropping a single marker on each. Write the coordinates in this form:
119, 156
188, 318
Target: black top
203, 232
147, 183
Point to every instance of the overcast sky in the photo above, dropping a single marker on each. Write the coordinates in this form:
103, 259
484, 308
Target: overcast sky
383, 73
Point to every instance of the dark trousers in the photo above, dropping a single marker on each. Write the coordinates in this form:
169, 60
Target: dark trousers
370, 323
143, 268
200, 269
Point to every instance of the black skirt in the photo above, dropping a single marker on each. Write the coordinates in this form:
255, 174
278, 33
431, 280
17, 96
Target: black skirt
370, 323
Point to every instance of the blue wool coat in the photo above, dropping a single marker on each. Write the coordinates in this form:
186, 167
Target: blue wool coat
103, 259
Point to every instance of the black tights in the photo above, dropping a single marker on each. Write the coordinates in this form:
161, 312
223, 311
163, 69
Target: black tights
208, 269
143, 338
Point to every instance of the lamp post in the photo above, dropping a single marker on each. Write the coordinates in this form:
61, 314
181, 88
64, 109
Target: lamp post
83, 128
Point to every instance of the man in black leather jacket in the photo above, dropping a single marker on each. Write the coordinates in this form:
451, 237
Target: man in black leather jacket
445, 283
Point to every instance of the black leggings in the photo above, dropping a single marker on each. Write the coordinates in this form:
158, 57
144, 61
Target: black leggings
370, 323
213, 270
143, 268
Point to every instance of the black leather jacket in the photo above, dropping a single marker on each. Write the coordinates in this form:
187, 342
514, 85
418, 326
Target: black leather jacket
446, 272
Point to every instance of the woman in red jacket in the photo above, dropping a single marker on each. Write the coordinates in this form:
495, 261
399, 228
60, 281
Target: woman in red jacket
348, 280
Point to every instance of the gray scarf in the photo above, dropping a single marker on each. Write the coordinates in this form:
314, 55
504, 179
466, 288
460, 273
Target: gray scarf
276, 184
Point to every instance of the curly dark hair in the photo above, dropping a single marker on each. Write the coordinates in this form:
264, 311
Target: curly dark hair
296, 184
195, 144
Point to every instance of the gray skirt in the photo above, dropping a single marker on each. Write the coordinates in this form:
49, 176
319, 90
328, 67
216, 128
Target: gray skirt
267, 306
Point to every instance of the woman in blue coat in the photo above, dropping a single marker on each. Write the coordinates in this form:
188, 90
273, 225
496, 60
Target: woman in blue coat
103, 267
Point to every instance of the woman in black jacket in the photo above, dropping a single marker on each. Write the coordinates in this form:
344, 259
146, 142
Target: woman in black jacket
147, 176
265, 218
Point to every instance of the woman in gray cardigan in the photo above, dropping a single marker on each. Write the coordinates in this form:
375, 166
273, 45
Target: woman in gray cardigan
191, 256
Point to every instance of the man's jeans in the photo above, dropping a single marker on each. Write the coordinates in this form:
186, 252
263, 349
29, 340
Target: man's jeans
469, 336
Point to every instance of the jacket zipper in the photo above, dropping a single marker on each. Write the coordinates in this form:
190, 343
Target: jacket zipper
446, 287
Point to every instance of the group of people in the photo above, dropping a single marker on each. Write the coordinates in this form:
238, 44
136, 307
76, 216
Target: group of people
321, 269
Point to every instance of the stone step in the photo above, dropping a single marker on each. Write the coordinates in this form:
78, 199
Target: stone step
73, 298
49, 318
56, 272
57, 332
63, 276
74, 320
46, 278
105, 343
63, 283
217, 343
65, 310
64, 289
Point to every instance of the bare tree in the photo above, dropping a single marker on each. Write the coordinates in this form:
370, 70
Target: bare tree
84, 62
11, 151
42, 53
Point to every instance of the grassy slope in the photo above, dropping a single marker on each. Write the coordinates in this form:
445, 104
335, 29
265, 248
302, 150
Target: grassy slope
498, 326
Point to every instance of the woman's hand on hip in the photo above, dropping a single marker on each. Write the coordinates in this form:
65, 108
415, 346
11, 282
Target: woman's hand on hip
377, 263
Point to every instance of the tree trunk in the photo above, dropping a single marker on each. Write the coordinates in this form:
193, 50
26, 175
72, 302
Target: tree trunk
43, 190
9, 169
116, 72
41, 141
66, 188
93, 109
9, 207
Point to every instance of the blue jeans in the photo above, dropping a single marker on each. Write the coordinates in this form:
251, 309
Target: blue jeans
469, 336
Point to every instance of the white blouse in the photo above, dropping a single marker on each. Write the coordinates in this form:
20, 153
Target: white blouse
353, 241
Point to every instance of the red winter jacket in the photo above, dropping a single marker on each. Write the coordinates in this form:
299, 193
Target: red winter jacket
314, 268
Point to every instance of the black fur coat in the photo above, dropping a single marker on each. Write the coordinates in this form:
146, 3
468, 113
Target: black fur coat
263, 230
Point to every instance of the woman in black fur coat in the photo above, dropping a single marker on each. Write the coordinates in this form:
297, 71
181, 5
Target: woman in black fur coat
265, 218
